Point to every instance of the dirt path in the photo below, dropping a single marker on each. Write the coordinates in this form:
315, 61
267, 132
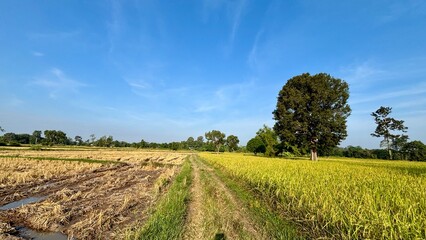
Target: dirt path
214, 211
195, 215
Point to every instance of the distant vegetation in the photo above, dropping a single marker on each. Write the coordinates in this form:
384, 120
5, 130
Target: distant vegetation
216, 141
310, 119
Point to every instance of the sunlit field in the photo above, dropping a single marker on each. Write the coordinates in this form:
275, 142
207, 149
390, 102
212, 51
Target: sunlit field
338, 198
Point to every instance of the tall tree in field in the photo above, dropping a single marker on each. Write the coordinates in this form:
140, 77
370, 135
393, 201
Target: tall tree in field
232, 142
53, 137
311, 112
216, 137
386, 128
190, 143
78, 140
92, 138
37, 136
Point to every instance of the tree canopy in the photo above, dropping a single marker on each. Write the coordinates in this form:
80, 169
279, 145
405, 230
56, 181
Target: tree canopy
216, 137
269, 139
386, 128
415, 151
311, 112
232, 142
256, 145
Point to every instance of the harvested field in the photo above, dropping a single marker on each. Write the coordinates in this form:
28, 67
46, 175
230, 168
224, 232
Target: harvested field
80, 199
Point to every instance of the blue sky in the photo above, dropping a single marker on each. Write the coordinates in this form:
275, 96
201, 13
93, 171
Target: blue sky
166, 70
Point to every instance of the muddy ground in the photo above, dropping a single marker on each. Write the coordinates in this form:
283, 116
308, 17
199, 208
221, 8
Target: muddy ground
95, 204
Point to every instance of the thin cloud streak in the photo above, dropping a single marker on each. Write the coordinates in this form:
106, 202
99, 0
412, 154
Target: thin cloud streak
37, 54
412, 91
224, 97
236, 19
57, 82
60, 35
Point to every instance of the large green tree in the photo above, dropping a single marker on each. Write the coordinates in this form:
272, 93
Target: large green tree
311, 112
216, 137
387, 128
53, 137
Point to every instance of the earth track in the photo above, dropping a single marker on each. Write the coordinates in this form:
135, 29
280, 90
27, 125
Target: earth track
214, 210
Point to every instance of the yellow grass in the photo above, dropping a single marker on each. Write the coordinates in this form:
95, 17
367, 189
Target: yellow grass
340, 198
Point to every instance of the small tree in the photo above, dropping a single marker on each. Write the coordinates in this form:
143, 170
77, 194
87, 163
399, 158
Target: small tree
199, 142
415, 151
78, 140
92, 138
232, 142
37, 136
386, 126
216, 137
269, 139
190, 142
256, 145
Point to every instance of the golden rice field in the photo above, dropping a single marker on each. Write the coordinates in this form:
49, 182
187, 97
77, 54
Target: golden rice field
339, 198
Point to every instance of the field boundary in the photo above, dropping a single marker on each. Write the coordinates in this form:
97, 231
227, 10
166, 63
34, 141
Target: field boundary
168, 218
260, 209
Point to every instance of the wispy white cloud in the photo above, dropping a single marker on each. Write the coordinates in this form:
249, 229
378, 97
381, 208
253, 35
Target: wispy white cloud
395, 81
224, 97
37, 54
234, 12
252, 58
363, 73
396, 10
114, 26
53, 35
236, 18
412, 91
56, 82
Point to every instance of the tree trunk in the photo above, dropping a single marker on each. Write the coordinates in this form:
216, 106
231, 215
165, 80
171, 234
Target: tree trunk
218, 148
314, 154
389, 149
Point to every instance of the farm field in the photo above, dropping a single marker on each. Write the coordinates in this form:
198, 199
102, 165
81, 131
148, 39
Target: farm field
338, 198
91, 193
82, 194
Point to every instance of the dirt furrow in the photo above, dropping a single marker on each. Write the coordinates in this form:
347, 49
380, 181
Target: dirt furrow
214, 210
195, 214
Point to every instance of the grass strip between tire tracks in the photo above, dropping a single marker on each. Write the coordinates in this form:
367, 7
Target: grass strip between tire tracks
168, 219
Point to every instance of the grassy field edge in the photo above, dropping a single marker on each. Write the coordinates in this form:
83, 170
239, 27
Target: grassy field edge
260, 209
168, 219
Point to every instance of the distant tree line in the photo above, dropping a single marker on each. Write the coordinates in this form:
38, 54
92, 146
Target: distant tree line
213, 141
